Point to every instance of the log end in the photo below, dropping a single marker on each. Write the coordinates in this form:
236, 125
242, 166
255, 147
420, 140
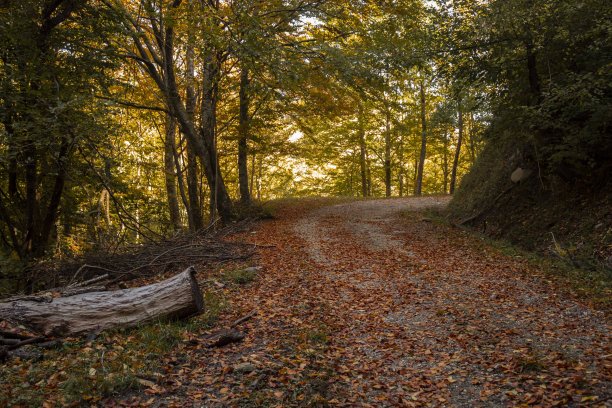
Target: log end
198, 299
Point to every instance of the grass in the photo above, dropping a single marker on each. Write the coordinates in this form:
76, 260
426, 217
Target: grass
214, 304
111, 365
530, 363
239, 276
317, 336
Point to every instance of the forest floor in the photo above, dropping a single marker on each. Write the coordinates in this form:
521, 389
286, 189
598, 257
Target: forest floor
370, 303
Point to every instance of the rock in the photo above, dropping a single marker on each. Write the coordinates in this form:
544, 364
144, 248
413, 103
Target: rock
145, 382
253, 269
520, 174
244, 368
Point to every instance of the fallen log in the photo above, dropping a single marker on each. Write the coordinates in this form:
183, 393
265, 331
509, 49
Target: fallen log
177, 297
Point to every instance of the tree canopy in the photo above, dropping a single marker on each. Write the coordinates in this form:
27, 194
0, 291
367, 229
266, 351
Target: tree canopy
126, 121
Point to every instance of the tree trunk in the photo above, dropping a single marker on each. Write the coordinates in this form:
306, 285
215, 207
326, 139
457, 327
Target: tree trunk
177, 297
219, 195
170, 175
243, 137
252, 184
419, 179
471, 135
532, 71
387, 152
196, 220
445, 162
260, 177
457, 152
369, 175
31, 204
180, 179
401, 165
166, 82
363, 165
12, 154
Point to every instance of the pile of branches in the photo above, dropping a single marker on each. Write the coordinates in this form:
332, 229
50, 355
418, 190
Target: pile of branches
204, 248
11, 342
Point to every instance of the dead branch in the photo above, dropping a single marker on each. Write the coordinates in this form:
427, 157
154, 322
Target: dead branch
244, 319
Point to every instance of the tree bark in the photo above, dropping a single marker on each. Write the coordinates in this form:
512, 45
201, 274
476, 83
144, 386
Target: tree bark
177, 297
419, 179
170, 175
401, 165
532, 71
471, 135
220, 199
180, 180
166, 82
253, 162
457, 152
445, 162
243, 137
363, 165
196, 220
387, 152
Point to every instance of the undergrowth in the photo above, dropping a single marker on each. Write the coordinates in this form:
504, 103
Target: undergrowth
115, 362
239, 276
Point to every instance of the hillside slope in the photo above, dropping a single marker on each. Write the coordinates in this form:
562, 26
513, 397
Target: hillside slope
545, 214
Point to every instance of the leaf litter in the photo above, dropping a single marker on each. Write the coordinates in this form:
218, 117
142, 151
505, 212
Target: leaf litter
363, 304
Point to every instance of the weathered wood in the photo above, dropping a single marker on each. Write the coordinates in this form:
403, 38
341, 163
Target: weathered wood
177, 297
225, 337
78, 291
244, 319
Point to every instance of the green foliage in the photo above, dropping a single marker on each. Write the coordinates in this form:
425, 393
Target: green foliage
334, 107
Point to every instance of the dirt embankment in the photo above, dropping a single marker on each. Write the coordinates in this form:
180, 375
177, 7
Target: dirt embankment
570, 220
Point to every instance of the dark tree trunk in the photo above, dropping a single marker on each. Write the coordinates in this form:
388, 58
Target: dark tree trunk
31, 204
532, 70
201, 141
243, 138
170, 175
457, 152
180, 179
196, 220
445, 163
419, 178
52, 210
12, 165
220, 200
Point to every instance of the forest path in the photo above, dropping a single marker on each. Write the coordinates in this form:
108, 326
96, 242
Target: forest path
369, 304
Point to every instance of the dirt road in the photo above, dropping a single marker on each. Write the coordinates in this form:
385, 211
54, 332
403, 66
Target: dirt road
369, 304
